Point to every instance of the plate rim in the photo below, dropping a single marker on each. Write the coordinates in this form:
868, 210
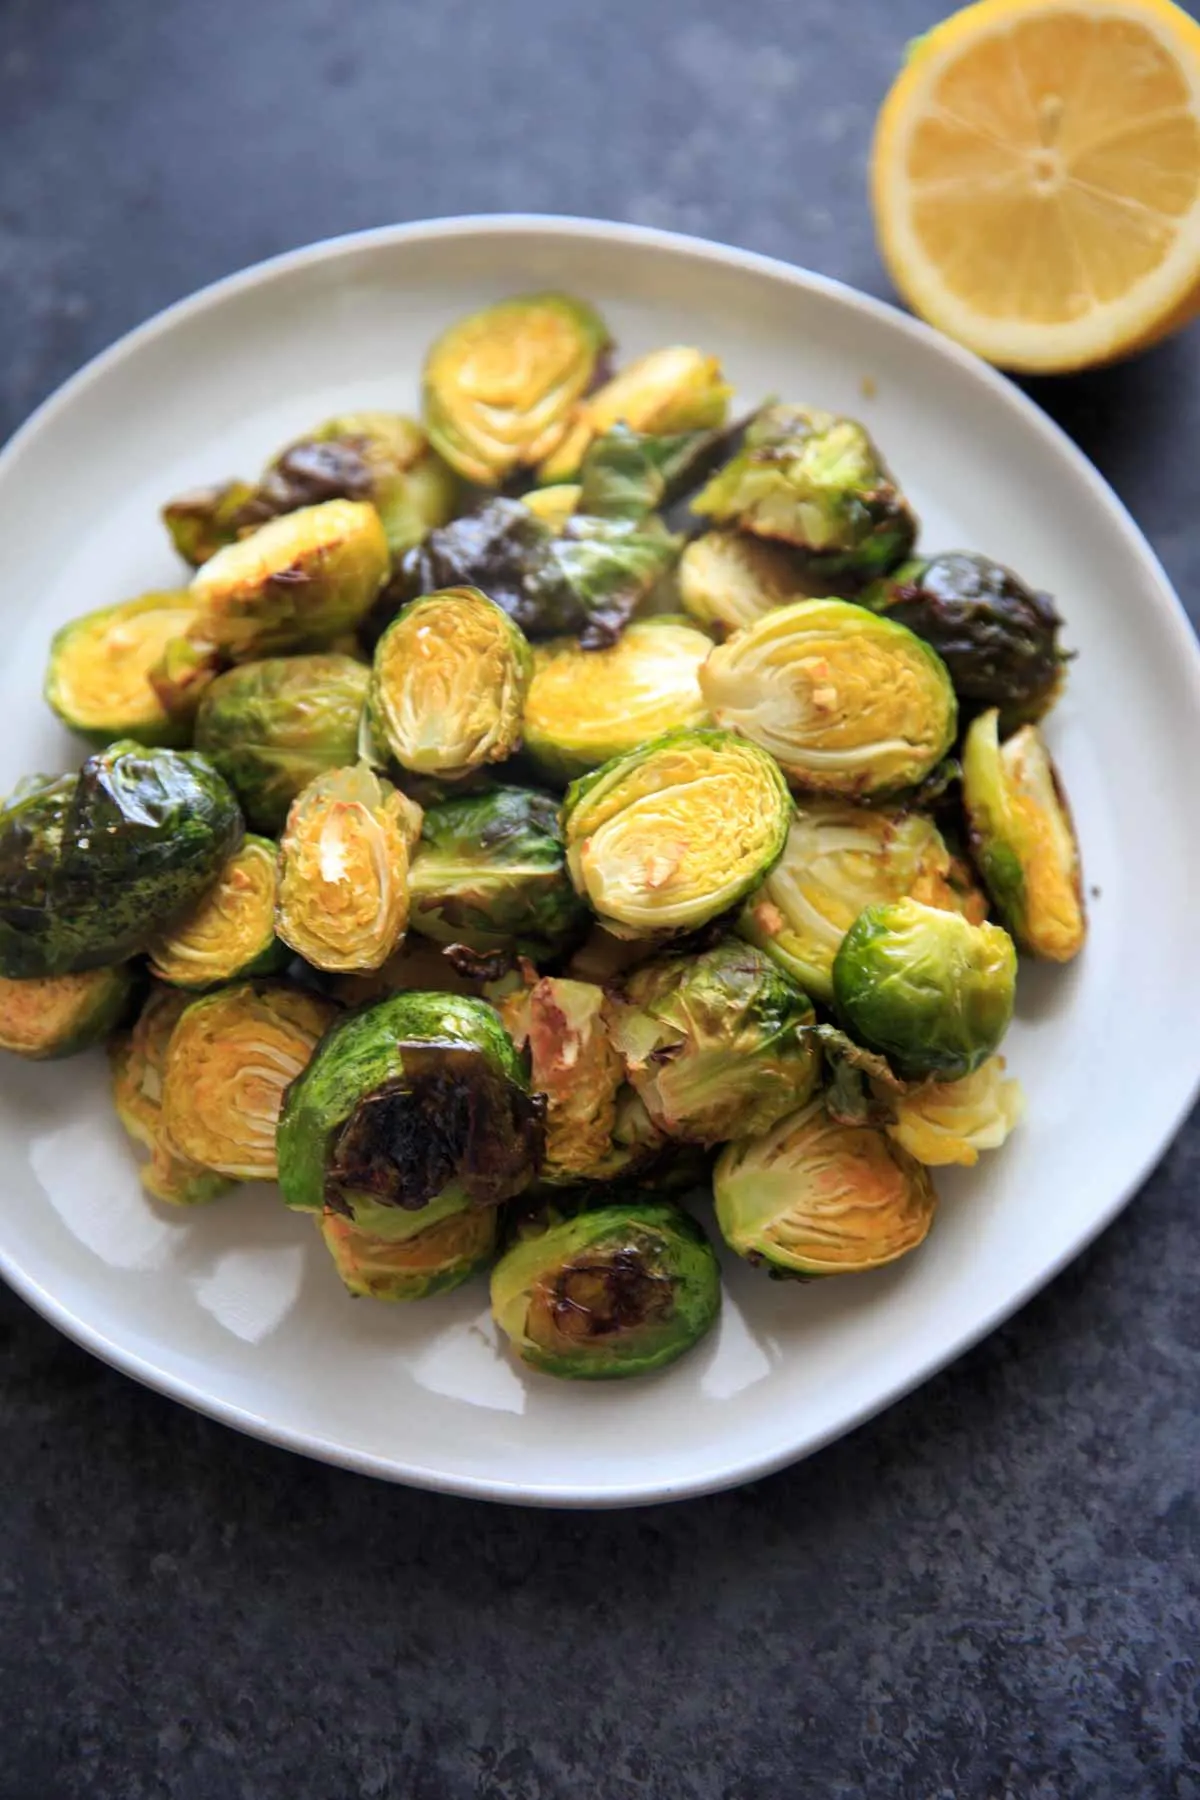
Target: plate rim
1003, 391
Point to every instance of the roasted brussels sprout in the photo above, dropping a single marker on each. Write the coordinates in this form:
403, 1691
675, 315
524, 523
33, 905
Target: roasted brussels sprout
839, 859
500, 386
846, 703
718, 1045
616, 1290
927, 989
62, 1014
813, 1197
449, 684
91, 865
667, 837
562, 1024
1023, 838
270, 727
664, 393
229, 1061
343, 870
230, 931
418, 1099
431, 1259
943, 1122
98, 678
137, 1059
586, 706
728, 579
816, 481
997, 637
629, 475
204, 520
490, 872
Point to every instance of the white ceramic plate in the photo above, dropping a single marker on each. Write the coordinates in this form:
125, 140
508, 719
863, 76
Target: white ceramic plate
235, 1309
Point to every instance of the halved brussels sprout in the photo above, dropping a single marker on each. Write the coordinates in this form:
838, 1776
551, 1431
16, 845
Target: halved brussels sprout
997, 637
204, 520
816, 481
98, 678
667, 391
943, 1122
562, 1024
418, 1099
813, 1197
229, 1062
667, 837
441, 1256
927, 989
586, 706
500, 385
728, 579
271, 727
91, 865
1023, 838
553, 506
718, 1045
137, 1059
840, 858
59, 1015
846, 703
617, 1290
490, 872
449, 684
343, 870
230, 931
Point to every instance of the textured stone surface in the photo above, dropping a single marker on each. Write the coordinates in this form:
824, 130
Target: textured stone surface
991, 1591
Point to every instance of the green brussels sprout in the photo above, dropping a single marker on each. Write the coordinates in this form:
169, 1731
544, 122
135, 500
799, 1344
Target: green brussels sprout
562, 1025
718, 1045
665, 393
204, 520
728, 579
629, 475
98, 678
997, 637
586, 706
587, 576
92, 865
410, 1100
343, 870
500, 386
490, 872
229, 1061
553, 505
229, 933
432, 1260
846, 703
616, 1290
665, 838
941, 1122
840, 858
58, 1015
137, 1059
1023, 838
924, 987
448, 684
271, 727
816, 481
815, 1197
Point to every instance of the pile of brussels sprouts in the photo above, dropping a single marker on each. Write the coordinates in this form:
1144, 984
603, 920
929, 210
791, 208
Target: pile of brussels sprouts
524, 817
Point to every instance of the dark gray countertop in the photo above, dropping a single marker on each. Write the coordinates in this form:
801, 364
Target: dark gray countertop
990, 1591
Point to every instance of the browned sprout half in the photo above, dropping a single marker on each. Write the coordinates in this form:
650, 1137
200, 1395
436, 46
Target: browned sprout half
230, 932
98, 678
58, 1015
138, 1059
728, 579
667, 391
430, 1259
561, 1022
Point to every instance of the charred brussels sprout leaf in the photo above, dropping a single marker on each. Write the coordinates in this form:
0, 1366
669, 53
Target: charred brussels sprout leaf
98, 679
816, 481
667, 837
728, 579
204, 520
586, 706
617, 1290
814, 1197
138, 1059
562, 1024
229, 1062
230, 932
418, 1099
59, 1015
666, 393
441, 1256
92, 865
1023, 838
448, 684
846, 703
927, 989
718, 1045
629, 475
271, 727
940, 1122
490, 872
500, 385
